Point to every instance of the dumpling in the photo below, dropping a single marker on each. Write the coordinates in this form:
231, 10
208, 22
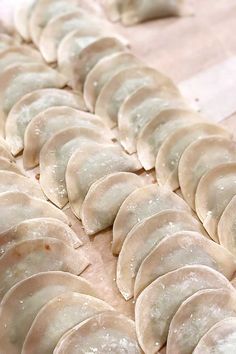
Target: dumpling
103, 333
141, 204
4, 150
57, 317
158, 303
214, 192
29, 106
123, 84
5, 41
49, 122
226, 227
92, 164
8, 165
22, 12
104, 199
23, 301
103, 71
113, 9
178, 250
143, 238
199, 158
170, 152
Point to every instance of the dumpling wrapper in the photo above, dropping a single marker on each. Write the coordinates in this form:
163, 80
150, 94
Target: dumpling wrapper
141, 107
6, 41
31, 105
200, 157
158, 303
123, 84
57, 317
4, 149
55, 155
23, 301
104, 199
226, 227
181, 249
113, 9
102, 333
49, 122
214, 192
22, 12
153, 134
16, 207
143, 238
103, 72
171, 150
86, 167
9, 165
196, 316
141, 204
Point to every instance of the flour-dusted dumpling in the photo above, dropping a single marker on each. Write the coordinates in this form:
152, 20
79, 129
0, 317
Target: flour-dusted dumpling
8, 165
104, 199
103, 71
103, 333
170, 152
57, 317
214, 192
198, 159
196, 316
154, 133
92, 164
141, 204
6, 41
123, 84
178, 250
143, 238
22, 12
16, 207
158, 303
226, 227
49, 122
32, 104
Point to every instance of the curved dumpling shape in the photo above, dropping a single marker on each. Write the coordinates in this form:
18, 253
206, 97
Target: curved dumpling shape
220, 339
181, 249
105, 332
16, 207
8, 165
141, 107
226, 227
49, 122
103, 72
32, 104
35, 256
104, 199
214, 192
4, 150
5, 41
198, 158
154, 133
57, 317
141, 204
170, 152
123, 84
143, 238
23, 301
22, 12
92, 164
158, 303
206, 308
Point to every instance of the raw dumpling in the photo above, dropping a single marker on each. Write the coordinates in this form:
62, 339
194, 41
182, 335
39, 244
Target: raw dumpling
23, 301
5, 41
32, 104
57, 317
158, 303
227, 228
104, 199
199, 158
4, 150
8, 165
180, 249
92, 164
22, 12
170, 152
102, 333
141, 204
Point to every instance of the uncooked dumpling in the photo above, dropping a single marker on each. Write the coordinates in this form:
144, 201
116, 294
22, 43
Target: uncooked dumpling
180, 249
23, 301
158, 303
8, 165
22, 12
57, 317
141, 204
4, 149
92, 164
227, 228
5, 41
143, 238
32, 104
198, 158
104, 199
102, 333
170, 152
